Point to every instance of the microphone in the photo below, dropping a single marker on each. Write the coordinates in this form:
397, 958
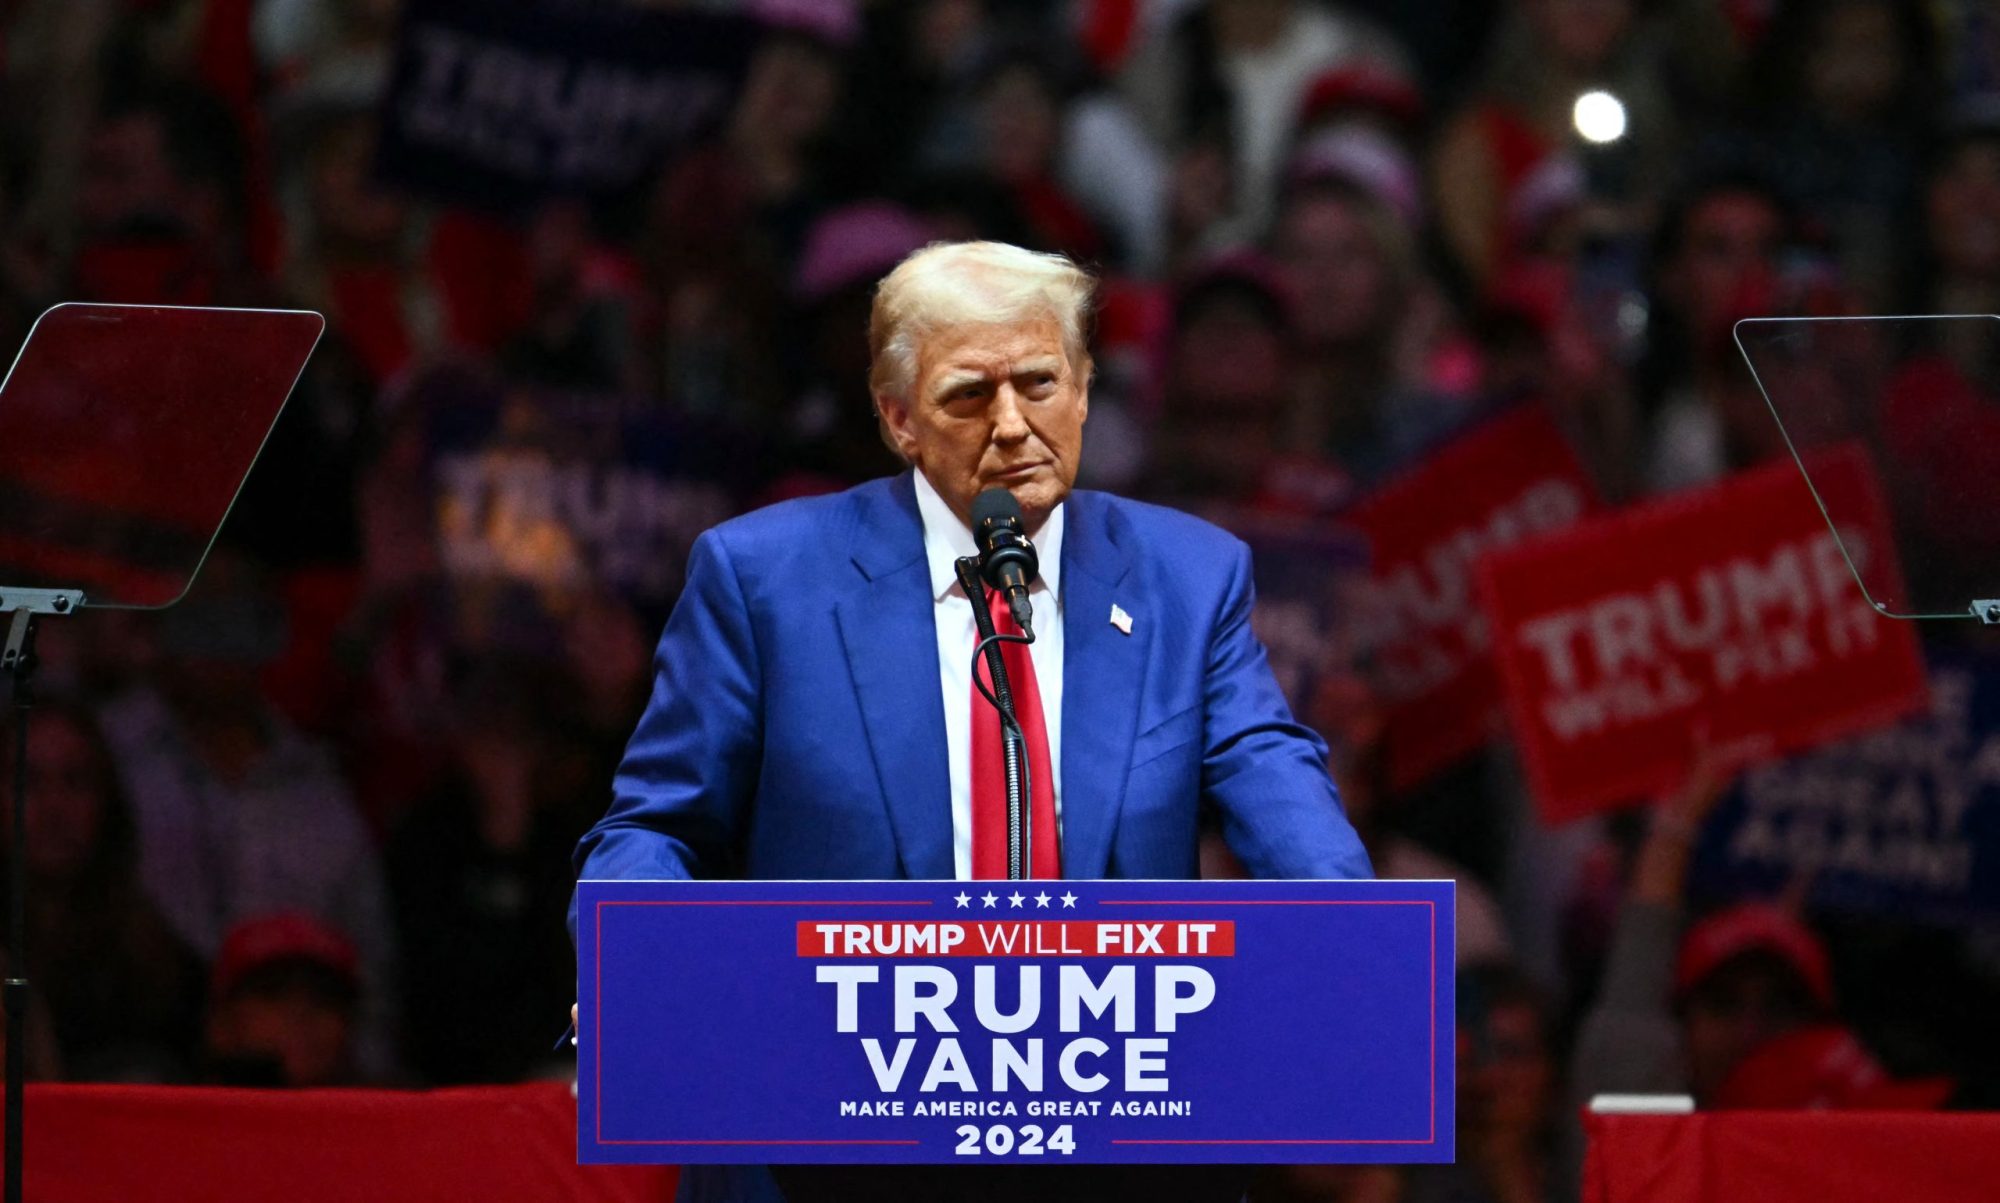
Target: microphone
1007, 560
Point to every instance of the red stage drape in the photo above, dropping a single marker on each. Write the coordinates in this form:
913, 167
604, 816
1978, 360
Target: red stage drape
1793, 1157
200, 1145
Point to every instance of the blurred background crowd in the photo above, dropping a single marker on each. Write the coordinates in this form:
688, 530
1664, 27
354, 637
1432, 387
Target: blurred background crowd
313, 825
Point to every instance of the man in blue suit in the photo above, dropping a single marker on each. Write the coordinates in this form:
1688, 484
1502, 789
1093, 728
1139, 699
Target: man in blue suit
812, 715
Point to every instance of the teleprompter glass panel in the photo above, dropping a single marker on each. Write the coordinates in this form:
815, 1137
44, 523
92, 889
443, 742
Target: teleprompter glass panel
1922, 396
125, 434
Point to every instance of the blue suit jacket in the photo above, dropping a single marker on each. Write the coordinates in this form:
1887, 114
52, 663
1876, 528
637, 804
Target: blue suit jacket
796, 727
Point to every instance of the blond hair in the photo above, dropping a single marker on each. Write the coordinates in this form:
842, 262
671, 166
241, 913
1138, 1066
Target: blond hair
972, 283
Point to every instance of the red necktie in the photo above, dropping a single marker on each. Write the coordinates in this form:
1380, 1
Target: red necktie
989, 778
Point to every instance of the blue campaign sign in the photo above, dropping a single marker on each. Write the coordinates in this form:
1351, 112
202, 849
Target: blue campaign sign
500, 106
961, 1022
1904, 821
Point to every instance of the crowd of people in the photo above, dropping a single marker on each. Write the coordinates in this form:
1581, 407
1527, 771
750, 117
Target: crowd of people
313, 826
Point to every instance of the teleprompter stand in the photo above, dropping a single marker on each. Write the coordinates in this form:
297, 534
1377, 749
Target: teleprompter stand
17, 660
126, 432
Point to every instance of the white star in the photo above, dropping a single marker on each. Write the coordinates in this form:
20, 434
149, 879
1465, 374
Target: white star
1042, 899
989, 899
963, 901
1015, 898
1068, 898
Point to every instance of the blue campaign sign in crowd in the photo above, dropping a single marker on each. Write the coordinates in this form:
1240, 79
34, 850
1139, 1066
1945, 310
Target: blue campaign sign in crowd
1902, 822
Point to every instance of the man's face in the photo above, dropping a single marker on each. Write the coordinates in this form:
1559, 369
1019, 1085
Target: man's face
1965, 211
1748, 1001
994, 406
68, 785
1230, 364
1730, 254
1336, 270
307, 1037
128, 175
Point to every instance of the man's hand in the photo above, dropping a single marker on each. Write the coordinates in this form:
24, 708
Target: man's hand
572, 1023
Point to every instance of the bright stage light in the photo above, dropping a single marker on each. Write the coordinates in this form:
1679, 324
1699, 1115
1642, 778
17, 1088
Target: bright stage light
1599, 117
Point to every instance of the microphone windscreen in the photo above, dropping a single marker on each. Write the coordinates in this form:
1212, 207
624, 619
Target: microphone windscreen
992, 504
997, 530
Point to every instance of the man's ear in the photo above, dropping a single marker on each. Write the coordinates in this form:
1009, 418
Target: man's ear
892, 415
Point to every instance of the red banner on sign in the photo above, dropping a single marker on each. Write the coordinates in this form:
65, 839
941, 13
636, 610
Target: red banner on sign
928, 939
1505, 481
1731, 609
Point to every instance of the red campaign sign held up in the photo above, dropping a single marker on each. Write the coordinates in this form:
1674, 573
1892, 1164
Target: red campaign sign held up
1417, 618
1730, 608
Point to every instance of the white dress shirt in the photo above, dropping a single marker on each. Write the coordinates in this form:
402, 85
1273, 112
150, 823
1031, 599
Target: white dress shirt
946, 538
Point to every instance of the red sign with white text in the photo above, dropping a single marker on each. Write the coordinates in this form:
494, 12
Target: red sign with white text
1020, 938
1730, 608
1418, 619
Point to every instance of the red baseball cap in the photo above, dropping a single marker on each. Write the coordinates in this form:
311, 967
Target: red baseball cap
1367, 87
1243, 268
1753, 927
284, 936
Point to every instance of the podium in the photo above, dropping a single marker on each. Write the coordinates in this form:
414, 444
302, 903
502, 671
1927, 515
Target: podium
1015, 1022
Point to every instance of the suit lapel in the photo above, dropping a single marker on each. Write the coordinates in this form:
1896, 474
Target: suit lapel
1103, 672
889, 633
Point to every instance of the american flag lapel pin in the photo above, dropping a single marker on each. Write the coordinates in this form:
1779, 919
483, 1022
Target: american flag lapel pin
1120, 619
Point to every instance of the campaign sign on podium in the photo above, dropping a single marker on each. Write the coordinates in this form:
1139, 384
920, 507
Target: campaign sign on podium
1047, 1021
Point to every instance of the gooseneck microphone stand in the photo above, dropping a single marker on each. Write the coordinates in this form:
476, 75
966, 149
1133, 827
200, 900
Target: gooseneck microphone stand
1013, 744
17, 661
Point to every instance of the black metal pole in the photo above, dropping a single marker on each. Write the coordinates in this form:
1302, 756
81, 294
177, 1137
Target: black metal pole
1014, 745
21, 665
